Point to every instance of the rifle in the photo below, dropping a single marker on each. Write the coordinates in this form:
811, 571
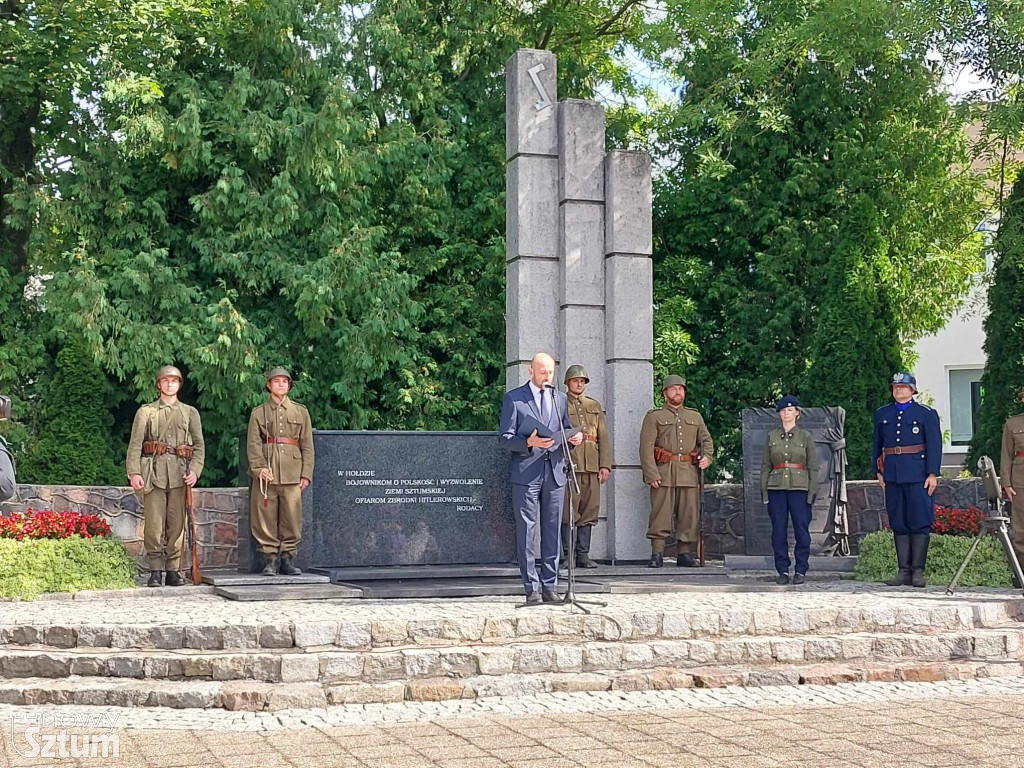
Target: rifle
190, 531
700, 515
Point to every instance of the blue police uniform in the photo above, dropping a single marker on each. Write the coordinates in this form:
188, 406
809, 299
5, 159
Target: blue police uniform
907, 449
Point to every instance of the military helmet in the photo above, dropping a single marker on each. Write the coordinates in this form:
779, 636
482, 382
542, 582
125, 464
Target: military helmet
279, 371
673, 380
169, 371
576, 372
904, 377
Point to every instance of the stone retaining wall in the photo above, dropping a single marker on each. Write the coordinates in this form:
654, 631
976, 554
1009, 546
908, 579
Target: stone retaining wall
218, 511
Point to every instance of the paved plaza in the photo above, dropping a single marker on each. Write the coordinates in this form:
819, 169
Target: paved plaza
976, 723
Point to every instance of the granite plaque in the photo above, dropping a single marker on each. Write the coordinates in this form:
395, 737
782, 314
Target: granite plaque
403, 498
824, 424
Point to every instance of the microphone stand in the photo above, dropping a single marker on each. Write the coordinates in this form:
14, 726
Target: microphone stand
573, 482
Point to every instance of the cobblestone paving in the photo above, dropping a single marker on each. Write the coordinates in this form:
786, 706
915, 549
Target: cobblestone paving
977, 723
194, 609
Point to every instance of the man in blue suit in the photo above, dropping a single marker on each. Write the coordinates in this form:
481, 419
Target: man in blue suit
908, 457
538, 474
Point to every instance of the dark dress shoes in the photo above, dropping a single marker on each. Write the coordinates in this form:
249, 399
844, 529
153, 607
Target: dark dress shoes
798, 578
549, 597
533, 599
782, 578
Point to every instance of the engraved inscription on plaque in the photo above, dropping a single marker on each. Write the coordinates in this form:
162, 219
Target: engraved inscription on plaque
407, 498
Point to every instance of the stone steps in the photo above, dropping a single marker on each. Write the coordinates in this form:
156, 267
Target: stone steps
503, 626
328, 665
260, 696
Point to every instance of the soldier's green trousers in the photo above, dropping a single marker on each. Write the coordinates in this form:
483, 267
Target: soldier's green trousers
679, 503
587, 505
277, 527
164, 520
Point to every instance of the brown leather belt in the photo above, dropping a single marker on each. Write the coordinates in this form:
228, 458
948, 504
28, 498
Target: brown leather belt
590, 438
282, 440
1019, 453
159, 449
789, 465
664, 456
901, 449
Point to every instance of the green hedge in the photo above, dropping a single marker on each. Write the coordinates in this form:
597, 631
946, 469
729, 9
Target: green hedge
988, 566
32, 567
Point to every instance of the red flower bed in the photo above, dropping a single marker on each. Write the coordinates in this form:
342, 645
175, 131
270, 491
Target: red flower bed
957, 522
47, 524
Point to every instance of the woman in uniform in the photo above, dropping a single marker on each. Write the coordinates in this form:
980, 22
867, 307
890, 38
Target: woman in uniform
789, 477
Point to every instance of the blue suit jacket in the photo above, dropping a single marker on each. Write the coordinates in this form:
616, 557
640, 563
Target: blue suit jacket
528, 463
918, 424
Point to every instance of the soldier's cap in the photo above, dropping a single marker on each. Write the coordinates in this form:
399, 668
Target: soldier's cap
169, 371
279, 371
786, 402
672, 380
903, 377
576, 372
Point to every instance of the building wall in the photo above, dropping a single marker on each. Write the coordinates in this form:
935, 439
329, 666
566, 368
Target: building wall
946, 362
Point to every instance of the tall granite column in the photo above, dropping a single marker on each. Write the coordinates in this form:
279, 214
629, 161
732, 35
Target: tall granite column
629, 344
581, 239
532, 297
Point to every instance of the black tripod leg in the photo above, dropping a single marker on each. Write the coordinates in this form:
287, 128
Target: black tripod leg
1011, 555
963, 565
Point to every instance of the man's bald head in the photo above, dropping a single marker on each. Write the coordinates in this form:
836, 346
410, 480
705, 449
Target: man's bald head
542, 369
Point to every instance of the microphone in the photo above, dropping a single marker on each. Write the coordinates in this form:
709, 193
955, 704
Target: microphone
551, 386
987, 469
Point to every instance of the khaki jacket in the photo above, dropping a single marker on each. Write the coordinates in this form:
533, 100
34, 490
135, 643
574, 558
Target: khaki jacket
176, 424
1011, 467
587, 414
793, 447
680, 431
289, 463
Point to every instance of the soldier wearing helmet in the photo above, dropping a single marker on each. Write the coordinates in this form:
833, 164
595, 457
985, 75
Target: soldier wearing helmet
908, 457
279, 447
165, 454
675, 446
593, 462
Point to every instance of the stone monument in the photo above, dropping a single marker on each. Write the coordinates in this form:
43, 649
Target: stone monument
579, 275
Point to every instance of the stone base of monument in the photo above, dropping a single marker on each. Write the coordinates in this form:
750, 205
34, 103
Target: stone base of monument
816, 565
232, 578
201, 652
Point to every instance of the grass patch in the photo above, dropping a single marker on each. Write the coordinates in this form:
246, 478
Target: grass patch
33, 567
988, 566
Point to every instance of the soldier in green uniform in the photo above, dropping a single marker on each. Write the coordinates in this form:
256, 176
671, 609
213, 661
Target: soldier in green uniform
593, 462
1011, 476
279, 447
674, 446
165, 454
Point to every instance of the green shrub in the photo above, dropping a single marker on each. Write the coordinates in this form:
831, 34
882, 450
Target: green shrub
31, 568
988, 566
